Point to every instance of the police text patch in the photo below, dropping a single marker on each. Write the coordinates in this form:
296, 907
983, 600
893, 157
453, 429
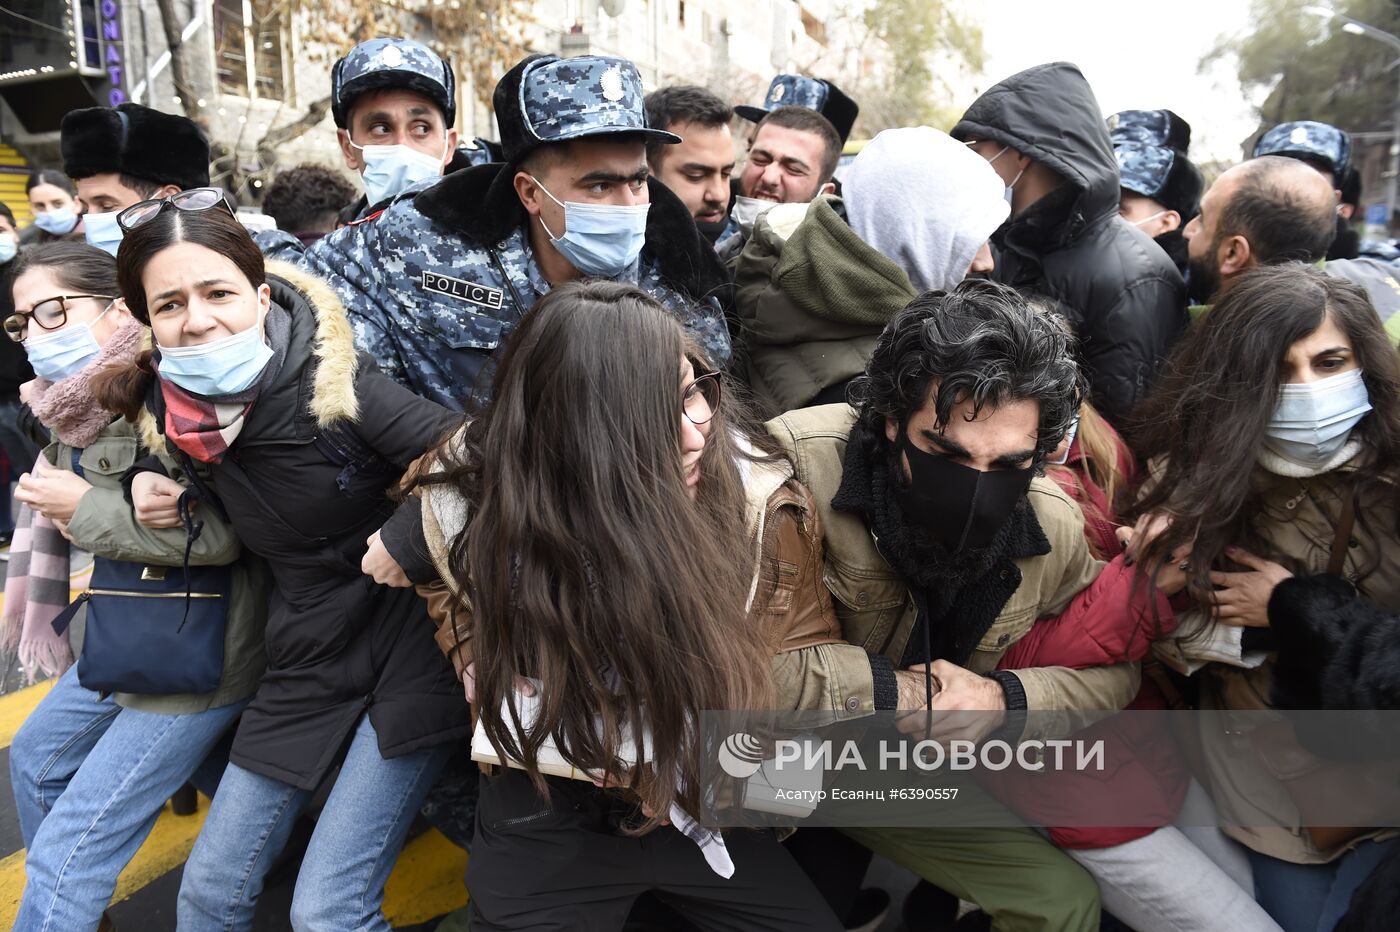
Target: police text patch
466, 291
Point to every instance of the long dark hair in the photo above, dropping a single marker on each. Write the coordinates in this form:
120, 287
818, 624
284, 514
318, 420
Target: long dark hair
1204, 424
585, 561
124, 389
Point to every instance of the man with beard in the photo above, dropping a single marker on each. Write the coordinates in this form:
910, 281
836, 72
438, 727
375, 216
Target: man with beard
792, 161
1159, 188
943, 548
1043, 132
698, 167
1264, 211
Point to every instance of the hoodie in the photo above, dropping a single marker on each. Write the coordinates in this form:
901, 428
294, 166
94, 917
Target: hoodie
946, 198
1119, 290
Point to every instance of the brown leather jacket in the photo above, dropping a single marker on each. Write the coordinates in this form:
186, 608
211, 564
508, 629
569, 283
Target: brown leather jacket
790, 600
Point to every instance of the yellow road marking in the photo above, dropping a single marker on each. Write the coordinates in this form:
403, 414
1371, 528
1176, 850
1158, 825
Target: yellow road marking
16, 706
167, 848
426, 881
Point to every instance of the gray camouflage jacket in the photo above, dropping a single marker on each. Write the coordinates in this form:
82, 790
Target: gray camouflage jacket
433, 284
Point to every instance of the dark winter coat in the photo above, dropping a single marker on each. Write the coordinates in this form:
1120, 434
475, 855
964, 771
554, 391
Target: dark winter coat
1123, 295
337, 642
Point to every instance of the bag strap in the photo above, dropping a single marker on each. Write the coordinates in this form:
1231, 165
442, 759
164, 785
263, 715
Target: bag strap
1341, 538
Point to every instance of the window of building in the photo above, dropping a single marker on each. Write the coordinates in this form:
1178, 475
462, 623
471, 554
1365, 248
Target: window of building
680, 13
250, 48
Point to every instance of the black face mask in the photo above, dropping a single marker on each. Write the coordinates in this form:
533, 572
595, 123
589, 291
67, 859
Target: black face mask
962, 507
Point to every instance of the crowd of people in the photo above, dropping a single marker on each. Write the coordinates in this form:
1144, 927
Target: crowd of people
621, 419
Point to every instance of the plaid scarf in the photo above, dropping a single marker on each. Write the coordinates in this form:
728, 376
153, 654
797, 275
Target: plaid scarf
205, 427
36, 592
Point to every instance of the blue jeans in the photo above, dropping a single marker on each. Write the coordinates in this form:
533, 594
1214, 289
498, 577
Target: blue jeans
356, 841
1313, 897
89, 779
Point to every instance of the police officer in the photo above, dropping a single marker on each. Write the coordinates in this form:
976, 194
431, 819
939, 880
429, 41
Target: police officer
1324, 147
394, 102
435, 283
1159, 189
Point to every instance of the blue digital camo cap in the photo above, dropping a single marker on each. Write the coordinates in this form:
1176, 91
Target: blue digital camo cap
797, 90
1144, 169
392, 63
1150, 127
550, 99
1307, 139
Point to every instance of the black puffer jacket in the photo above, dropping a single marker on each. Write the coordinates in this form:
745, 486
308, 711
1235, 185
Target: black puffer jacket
1126, 300
337, 642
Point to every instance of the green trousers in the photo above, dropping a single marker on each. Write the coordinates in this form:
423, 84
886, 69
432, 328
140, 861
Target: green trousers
1021, 880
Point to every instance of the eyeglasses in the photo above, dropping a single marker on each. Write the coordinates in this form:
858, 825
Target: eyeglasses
700, 400
194, 200
49, 314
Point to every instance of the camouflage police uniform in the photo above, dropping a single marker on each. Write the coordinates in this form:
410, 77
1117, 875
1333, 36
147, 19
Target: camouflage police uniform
435, 283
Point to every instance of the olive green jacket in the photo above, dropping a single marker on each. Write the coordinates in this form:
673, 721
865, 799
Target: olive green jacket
812, 299
105, 525
877, 611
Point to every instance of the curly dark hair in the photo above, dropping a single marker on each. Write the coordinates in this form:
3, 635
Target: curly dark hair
982, 341
307, 198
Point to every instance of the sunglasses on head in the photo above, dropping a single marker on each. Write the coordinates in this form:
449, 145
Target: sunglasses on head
194, 200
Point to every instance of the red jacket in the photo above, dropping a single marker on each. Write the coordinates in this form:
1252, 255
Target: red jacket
1114, 620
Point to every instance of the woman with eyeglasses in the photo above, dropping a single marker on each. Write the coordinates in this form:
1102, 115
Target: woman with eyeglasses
53, 200
254, 374
91, 770
616, 540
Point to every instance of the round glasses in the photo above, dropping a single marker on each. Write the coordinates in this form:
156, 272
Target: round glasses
193, 200
700, 400
49, 314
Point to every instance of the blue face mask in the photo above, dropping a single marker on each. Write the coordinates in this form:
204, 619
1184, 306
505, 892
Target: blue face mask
391, 170
58, 222
101, 230
599, 239
9, 248
1312, 422
222, 367
55, 356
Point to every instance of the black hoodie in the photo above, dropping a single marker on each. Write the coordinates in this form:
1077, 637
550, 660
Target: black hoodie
1123, 295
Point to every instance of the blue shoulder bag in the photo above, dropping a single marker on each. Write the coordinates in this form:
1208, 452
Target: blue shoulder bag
153, 630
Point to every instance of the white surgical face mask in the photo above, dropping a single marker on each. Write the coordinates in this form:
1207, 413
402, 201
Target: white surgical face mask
220, 367
599, 239
1312, 421
1138, 223
103, 231
747, 210
391, 170
1010, 188
58, 354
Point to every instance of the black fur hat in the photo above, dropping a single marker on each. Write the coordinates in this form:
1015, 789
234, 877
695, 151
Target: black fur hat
137, 141
1183, 190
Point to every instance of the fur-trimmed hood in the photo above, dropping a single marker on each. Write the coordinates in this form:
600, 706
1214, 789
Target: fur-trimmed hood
480, 203
337, 361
